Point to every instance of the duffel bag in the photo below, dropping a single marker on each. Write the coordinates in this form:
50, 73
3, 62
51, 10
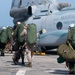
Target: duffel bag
67, 52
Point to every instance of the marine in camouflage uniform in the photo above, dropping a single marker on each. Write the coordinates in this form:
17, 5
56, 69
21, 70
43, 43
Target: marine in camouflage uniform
29, 47
70, 65
17, 47
3, 40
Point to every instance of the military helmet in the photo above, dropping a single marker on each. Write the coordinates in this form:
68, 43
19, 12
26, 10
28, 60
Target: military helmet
18, 22
71, 25
4, 28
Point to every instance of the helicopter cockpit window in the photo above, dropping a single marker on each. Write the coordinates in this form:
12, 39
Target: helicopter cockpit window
59, 25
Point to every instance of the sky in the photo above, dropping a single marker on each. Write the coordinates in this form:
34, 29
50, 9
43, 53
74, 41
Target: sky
5, 6
5, 19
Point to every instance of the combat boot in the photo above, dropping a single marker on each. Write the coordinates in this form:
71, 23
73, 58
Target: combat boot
71, 72
2, 52
30, 64
23, 63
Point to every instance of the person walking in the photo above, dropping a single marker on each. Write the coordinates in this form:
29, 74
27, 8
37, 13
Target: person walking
3, 40
18, 43
69, 64
29, 47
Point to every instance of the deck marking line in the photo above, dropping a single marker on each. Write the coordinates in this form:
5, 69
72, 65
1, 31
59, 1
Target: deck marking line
21, 72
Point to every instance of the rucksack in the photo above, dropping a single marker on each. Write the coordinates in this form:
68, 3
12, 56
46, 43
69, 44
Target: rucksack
9, 32
69, 36
3, 36
20, 39
72, 36
31, 34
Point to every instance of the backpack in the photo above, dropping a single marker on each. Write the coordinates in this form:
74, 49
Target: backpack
31, 34
3, 36
20, 39
73, 37
9, 32
69, 36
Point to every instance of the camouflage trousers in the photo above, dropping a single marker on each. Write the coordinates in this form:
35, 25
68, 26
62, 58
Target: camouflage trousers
71, 66
29, 52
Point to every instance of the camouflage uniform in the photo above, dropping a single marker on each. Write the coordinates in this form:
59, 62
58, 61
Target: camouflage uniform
69, 64
29, 48
3, 40
17, 47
